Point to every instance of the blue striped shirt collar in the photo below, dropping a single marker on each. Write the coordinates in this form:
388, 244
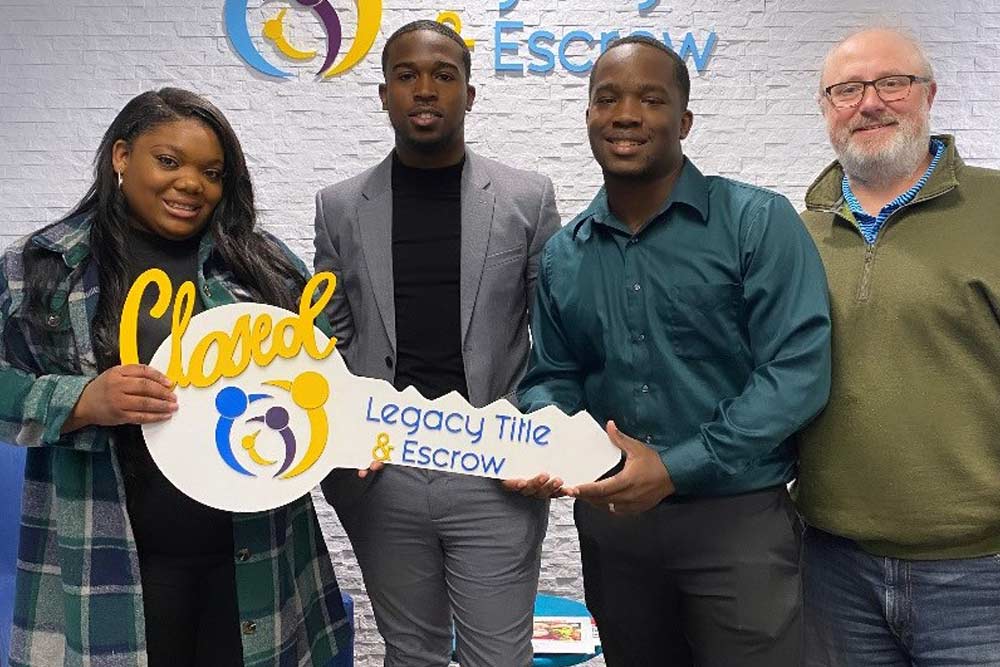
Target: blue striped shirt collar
870, 225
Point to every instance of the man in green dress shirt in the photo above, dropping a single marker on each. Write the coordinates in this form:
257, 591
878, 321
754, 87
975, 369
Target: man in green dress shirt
691, 313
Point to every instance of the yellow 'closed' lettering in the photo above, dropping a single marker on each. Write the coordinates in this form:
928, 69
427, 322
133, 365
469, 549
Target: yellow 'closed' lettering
233, 350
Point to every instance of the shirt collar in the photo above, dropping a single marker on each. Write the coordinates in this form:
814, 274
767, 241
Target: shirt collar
936, 149
69, 238
690, 189
825, 193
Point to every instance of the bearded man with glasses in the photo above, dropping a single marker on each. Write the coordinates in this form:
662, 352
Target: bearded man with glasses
899, 478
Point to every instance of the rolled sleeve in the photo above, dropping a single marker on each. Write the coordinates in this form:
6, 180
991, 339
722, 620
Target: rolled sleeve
47, 407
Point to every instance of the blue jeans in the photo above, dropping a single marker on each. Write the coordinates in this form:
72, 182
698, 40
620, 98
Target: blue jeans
864, 610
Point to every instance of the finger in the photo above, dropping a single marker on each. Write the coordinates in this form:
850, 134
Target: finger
571, 491
600, 490
605, 488
146, 404
148, 372
146, 417
613, 433
551, 488
134, 386
372, 468
534, 485
514, 484
620, 440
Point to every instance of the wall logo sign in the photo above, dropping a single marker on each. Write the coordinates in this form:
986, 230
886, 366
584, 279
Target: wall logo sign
542, 50
267, 407
273, 31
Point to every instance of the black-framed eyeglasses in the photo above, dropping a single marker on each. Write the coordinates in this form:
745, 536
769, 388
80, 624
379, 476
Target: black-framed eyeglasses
892, 88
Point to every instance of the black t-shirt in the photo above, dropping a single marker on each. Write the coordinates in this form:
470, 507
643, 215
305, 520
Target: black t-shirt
164, 520
426, 266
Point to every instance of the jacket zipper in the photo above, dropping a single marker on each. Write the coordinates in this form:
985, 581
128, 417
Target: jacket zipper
864, 287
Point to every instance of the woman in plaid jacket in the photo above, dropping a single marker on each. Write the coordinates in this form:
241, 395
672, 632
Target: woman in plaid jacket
116, 567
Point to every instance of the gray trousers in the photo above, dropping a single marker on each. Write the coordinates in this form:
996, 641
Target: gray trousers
437, 547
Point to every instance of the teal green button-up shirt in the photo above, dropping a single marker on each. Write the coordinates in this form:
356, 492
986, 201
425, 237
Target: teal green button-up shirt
706, 334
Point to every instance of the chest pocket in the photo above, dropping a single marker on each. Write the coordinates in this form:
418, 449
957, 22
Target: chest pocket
42, 345
703, 320
513, 257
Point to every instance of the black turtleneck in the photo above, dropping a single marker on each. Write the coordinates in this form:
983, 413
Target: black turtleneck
426, 266
165, 521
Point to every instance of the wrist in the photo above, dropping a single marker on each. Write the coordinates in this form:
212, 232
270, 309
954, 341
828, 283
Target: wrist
79, 416
668, 483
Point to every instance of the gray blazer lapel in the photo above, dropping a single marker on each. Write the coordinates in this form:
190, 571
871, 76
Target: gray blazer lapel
375, 222
477, 221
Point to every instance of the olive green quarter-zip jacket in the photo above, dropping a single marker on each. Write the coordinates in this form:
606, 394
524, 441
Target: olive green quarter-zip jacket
905, 459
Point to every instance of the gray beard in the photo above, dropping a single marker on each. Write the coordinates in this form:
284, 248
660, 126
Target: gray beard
894, 162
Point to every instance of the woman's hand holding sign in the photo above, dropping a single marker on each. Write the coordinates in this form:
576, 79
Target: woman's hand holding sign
642, 483
129, 394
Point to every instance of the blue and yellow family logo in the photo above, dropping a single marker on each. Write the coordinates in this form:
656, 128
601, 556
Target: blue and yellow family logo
273, 30
309, 392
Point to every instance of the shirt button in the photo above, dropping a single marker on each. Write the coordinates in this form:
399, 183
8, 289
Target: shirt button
249, 627
388, 362
649, 439
641, 337
243, 555
636, 287
645, 388
206, 291
53, 320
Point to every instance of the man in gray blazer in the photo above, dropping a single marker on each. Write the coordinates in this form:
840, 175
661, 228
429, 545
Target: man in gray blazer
436, 252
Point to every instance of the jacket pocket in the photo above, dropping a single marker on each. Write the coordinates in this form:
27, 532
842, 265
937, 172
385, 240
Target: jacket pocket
505, 257
50, 340
703, 320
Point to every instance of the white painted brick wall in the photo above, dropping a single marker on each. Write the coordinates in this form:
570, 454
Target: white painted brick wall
67, 66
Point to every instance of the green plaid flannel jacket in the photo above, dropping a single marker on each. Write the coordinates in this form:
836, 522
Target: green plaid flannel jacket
79, 599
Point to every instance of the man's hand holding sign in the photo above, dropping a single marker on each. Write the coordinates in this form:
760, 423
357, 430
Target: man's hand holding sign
265, 409
640, 485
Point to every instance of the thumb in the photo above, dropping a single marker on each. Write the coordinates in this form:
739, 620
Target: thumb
619, 439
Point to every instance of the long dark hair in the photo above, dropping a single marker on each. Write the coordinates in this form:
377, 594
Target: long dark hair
256, 262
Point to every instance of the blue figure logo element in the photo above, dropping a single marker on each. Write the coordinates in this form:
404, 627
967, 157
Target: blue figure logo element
231, 403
